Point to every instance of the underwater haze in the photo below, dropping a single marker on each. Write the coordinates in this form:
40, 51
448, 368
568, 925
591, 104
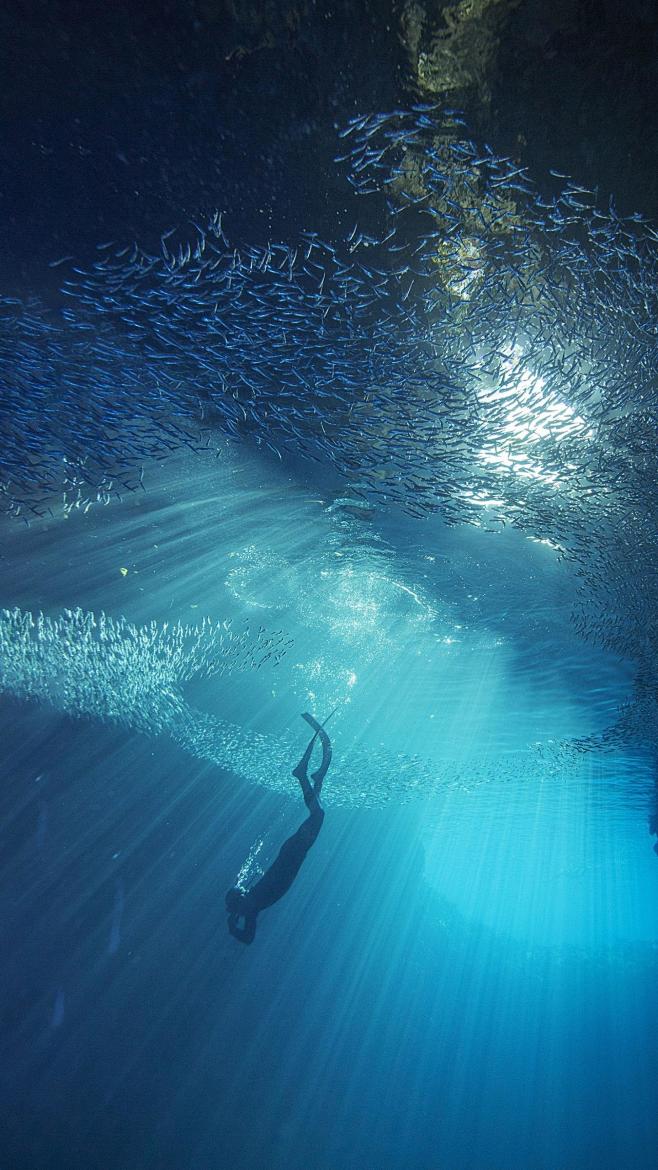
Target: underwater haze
328, 352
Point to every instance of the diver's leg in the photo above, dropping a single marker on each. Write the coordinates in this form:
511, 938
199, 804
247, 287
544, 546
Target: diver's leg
311, 794
302, 767
307, 791
301, 773
318, 777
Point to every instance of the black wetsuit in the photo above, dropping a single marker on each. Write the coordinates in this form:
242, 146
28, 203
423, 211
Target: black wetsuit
279, 877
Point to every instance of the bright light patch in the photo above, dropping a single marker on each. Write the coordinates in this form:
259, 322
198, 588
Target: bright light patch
534, 414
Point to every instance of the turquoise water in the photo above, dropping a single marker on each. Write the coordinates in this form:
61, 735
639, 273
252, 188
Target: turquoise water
463, 975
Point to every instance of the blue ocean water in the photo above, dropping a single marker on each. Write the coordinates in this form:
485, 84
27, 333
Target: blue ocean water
459, 977
324, 389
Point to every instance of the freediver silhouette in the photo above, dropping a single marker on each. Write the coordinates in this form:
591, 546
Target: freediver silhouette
277, 880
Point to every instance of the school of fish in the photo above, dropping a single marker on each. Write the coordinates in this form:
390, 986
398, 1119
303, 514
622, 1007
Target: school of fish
481, 348
93, 666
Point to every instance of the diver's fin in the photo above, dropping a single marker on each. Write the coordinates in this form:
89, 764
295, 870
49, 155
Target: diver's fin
313, 721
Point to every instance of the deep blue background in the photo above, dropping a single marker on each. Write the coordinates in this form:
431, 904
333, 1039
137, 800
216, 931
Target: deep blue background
375, 1023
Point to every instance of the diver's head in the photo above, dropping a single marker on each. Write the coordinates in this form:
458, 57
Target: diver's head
234, 900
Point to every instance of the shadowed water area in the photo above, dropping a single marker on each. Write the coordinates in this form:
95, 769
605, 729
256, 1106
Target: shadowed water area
335, 393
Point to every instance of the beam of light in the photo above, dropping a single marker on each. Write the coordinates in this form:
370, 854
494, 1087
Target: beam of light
371, 633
